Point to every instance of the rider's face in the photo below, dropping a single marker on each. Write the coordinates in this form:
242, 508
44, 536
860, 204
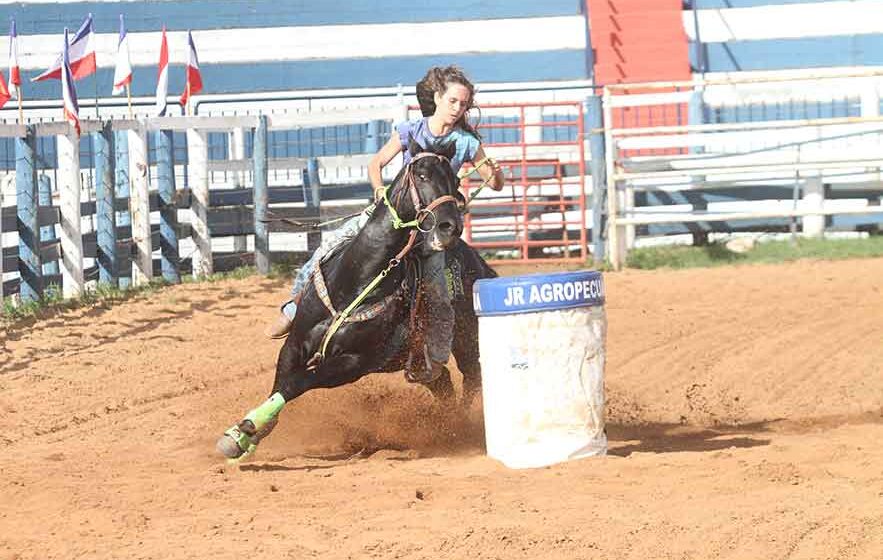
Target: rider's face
450, 105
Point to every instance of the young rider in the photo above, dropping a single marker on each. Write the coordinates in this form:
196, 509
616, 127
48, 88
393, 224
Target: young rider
445, 96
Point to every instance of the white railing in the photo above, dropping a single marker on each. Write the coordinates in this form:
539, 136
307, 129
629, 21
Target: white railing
806, 153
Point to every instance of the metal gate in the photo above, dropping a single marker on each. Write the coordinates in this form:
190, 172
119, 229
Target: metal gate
541, 211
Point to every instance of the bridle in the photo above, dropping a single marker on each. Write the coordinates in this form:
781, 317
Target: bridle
422, 212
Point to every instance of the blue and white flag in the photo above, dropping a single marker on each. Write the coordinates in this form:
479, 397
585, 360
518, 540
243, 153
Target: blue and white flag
68, 91
122, 75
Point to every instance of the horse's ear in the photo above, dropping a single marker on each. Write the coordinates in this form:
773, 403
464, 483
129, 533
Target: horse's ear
414, 147
449, 150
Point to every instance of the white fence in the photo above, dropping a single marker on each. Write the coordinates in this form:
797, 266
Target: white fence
811, 155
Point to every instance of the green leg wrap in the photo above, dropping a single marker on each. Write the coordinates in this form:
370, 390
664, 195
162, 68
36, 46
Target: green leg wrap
267, 412
263, 418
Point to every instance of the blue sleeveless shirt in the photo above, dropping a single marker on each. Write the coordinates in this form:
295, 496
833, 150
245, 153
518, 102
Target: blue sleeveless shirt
418, 129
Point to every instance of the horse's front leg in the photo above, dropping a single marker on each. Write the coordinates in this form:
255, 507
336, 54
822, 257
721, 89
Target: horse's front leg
242, 438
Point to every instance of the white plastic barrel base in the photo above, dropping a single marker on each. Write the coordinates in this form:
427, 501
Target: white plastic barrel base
542, 339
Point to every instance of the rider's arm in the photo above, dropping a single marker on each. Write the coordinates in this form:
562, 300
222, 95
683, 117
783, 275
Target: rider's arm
489, 169
379, 161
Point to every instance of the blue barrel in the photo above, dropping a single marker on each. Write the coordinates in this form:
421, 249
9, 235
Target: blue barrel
542, 343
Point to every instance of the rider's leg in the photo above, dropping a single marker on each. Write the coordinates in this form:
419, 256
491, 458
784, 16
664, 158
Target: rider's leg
282, 325
439, 325
330, 239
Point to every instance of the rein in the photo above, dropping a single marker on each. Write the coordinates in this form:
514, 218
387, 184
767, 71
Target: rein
397, 223
319, 225
475, 168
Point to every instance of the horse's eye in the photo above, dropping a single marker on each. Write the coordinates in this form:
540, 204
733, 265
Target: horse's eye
422, 177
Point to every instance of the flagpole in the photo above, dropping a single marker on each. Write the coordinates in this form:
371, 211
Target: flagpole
96, 95
129, 97
21, 115
187, 106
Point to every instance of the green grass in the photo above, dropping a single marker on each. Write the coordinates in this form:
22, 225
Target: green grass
52, 301
716, 254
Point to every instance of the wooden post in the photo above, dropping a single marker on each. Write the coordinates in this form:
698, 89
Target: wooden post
627, 203
615, 249
261, 198
31, 284
236, 151
197, 170
814, 199
139, 208
595, 127
72, 280
47, 233
1, 243
311, 182
121, 182
168, 211
105, 194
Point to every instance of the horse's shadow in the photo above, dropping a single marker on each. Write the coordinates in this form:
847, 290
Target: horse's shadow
274, 467
676, 438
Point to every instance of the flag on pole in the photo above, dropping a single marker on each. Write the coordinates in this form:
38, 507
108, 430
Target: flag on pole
68, 91
4, 91
14, 71
162, 82
122, 75
194, 78
82, 55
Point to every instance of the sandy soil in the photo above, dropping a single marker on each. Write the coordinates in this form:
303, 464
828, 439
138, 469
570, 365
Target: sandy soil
745, 410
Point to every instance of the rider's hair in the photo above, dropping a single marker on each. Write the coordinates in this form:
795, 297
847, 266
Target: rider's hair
437, 80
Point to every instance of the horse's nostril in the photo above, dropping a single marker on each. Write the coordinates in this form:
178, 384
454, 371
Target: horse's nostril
446, 227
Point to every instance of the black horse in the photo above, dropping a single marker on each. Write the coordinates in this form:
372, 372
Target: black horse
326, 350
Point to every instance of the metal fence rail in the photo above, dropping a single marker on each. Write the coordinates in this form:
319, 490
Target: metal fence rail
541, 211
710, 174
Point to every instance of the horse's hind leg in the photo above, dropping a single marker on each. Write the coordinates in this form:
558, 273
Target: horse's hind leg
442, 388
465, 348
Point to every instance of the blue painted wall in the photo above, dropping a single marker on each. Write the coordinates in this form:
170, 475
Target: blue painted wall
226, 14
778, 54
319, 74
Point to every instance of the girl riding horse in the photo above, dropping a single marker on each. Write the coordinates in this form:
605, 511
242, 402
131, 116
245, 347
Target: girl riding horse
445, 96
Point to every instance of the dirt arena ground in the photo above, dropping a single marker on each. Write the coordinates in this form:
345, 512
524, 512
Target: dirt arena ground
745, 410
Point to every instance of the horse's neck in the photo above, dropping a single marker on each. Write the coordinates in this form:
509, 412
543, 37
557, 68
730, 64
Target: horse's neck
372, 248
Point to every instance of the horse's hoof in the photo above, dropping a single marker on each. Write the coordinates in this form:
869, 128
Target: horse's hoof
235, 443
228, 447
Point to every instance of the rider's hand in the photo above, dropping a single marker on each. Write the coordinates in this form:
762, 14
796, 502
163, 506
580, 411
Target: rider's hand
378, 194
498, 172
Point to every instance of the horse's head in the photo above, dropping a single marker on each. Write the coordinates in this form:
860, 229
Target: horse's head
426, 191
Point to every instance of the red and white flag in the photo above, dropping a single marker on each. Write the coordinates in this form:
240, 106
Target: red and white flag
122, 74
81, 52
14, 71
194, 78
4, 92
162, 82
68, 91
